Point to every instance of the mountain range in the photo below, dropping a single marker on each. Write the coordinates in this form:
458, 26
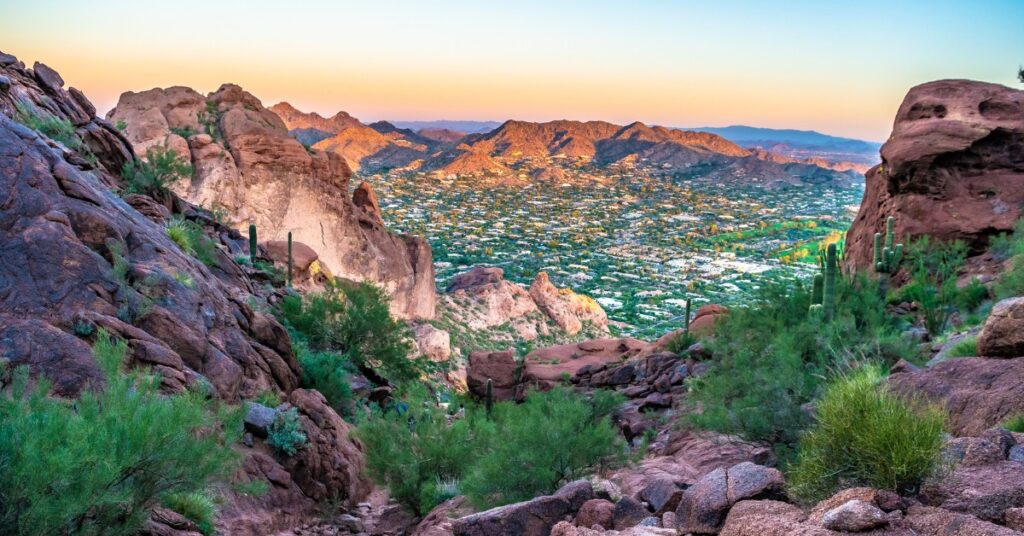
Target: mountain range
516, 150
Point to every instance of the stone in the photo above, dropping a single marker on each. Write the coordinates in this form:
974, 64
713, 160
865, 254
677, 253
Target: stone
704, 320
854, 516
432, 343
983, 491
597, 512
703, 506
499, 367
259, 418
662, 495
1003, 332
948, 169
628, 512
1014, 519
568, 309
534, 517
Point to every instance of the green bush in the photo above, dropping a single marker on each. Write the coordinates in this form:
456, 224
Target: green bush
520, 452
192, 239
968, 347
53, 127
327, 372
1015, 423
354, 320
771, 358
153, 175
97, 465
1011, 282
285, 434
866, 436
196, 506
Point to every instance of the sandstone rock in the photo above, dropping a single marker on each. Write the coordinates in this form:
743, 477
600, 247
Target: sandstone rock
567, 529
259, 418
254, 170
628, 512
597, 512
703, 506
499, 367
854, 516
534, 517
434, 344
166, 522
984, 491
1014, 518
948, 170
977, 393
973, 451
439, 521
1003, 333
302, 255
662, 495
886, 500
568, 309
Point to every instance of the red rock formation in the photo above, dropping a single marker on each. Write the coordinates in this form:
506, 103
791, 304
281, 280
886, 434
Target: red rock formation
952, 168
568, 309
246, 163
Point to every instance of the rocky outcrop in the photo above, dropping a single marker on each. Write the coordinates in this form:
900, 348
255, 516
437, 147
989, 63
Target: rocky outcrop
500, 368
952, 168
77, 258
481, 299
977, 393
703, 506
535, 517
568, 309
1003, 333
245, 162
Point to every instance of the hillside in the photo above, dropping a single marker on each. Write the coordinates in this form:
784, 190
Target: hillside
805, 145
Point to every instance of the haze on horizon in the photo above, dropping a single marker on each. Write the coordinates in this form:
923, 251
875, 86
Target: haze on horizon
841, 70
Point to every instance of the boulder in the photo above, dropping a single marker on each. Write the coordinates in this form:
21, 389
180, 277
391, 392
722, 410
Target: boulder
703, 506
662, 495
432, 343
983, 491
1003, 333
703, 323
628, 512
568, 309
595, 512
535, 517
499, 367
977, 393
258, 418
854, 516
950, 169
439, 521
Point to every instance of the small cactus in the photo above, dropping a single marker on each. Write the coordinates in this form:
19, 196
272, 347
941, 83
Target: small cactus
489, 398
253, 248
817, 289
828, 291
887, 254
289, 258
686, 321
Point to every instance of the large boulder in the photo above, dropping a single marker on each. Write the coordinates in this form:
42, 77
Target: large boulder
706, 317
951, 169
984, 491
500, 368
1003, 333
703, 506
535, 517
977, 393
246, 163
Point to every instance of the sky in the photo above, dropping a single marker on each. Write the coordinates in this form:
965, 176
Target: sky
836, 67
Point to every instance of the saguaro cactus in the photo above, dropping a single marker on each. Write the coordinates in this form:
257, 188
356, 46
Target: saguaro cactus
253, 248
828, 291
887, 255
489, 398
289, 258
686, 321
817, 288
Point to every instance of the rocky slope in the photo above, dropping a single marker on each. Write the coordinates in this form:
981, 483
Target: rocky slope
953, 168
246, 164
77, 257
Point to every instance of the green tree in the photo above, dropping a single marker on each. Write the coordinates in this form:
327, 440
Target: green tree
153, 175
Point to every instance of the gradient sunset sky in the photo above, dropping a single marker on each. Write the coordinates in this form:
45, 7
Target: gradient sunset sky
840, 69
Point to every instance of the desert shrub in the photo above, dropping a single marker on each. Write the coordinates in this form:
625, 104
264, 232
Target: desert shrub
184, 132
866, 436
971, 296
933, 271
97, 465
967, 347
53, 127
1015, 423
268, 398
424, 457
327, 372
194, 505
1011, 282
678, 344
285, 434
354, 320
152, 176
771, 358
192, 239
411, 447
551, 439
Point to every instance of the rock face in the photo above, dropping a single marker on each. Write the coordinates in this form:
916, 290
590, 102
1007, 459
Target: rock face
1003, 333
978, 393
952, 168
245, 162
568, 309
535, 517
481, 298
77, 258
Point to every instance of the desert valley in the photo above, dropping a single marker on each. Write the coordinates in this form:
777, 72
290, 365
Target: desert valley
221, 315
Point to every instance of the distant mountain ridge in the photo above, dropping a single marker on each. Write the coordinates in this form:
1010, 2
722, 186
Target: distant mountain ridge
468, 127
807, 145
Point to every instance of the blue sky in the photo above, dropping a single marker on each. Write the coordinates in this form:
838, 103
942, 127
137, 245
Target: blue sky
838, 67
